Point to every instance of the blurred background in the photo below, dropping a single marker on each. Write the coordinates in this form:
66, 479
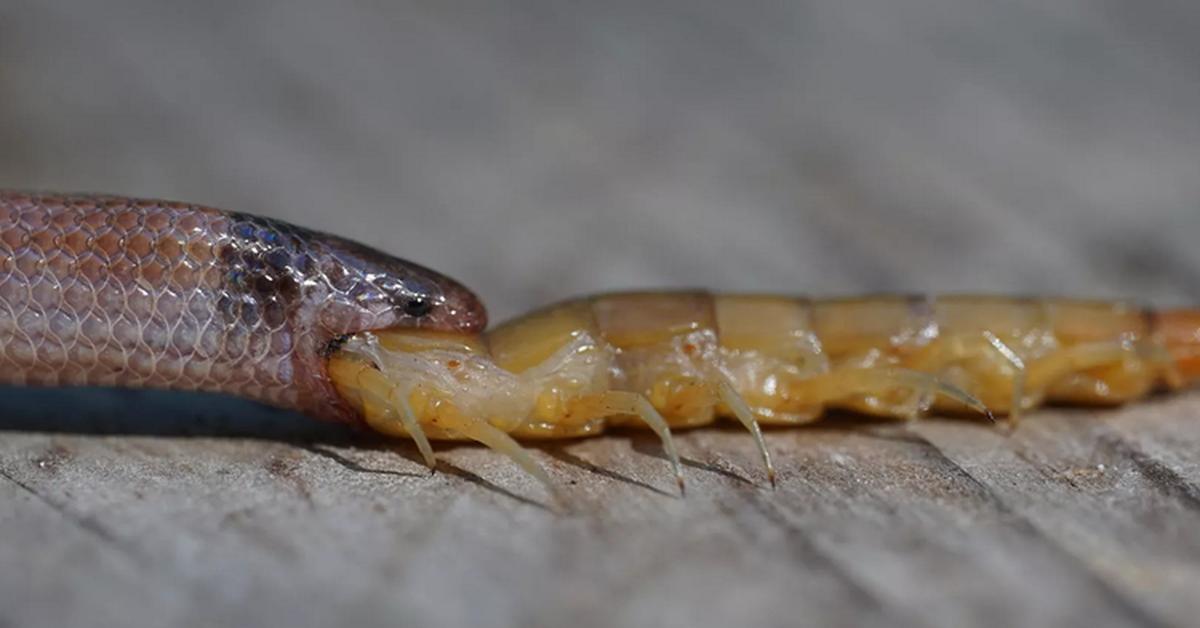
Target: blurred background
537, 150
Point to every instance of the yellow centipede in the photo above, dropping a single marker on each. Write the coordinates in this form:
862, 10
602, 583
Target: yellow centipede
671, 360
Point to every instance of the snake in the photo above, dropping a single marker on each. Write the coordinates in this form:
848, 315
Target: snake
111, 291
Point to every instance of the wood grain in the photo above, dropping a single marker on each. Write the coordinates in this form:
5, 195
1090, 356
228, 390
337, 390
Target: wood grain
1071, 518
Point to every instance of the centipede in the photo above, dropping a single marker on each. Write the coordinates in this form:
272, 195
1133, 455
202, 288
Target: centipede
121, 292
674, 360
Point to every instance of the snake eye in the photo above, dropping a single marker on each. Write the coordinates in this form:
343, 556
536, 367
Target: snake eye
417, 307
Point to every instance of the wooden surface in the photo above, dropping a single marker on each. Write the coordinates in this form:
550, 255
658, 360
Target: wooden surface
538, 150
1076, 517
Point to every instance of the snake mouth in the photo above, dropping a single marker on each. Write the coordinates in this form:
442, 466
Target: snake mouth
333, 346
401, 381
405, 355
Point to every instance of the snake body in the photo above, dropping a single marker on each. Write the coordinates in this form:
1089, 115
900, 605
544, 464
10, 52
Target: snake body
119, 292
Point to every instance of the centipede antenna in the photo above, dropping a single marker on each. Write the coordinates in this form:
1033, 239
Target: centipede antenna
409, 420
492, 437
745, 415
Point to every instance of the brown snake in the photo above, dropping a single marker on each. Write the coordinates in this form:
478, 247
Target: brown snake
120, 292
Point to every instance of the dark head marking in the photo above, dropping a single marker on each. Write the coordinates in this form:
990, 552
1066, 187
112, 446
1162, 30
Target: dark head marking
354, 287
261, 262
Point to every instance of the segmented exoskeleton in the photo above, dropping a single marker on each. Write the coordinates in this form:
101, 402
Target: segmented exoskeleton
684, 359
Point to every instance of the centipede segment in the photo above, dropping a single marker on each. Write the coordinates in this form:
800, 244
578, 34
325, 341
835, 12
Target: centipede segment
680, 360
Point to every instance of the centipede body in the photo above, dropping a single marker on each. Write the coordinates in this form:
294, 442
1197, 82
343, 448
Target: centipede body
670, 360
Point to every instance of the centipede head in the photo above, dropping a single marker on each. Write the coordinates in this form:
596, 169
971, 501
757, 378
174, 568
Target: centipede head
518, 379
399, 378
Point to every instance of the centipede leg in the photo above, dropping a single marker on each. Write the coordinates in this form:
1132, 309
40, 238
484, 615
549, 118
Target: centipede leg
1032, 381
496, 439
1161, 358
409, 420
384, 417
933, 386
963, 348
380, 410
742, 412
842, 384
1020, 372
617, 402
1083, 357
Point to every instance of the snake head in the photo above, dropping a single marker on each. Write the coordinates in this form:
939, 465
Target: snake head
335, 287
320, 289
368, 290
